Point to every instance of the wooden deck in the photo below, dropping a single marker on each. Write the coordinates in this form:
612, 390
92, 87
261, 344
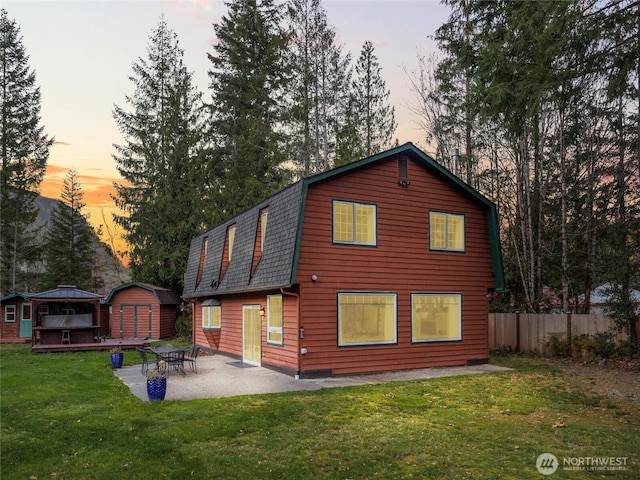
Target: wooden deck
107, 344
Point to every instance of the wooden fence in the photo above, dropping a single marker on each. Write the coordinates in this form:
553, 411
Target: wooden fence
524, 332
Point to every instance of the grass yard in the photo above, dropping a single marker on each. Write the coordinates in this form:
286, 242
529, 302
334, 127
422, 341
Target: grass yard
66, 416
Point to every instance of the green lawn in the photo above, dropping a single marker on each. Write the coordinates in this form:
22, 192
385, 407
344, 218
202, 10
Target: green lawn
66, 416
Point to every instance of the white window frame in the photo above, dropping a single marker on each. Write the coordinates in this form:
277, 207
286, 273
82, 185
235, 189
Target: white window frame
393, 341
23, 307
446, 247
458, 338
275, 329
208, 317
10, 312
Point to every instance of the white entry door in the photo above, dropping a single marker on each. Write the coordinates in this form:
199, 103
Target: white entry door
251, 334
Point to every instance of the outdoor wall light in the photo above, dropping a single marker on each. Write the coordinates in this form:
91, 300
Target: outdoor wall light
262, 312
314, 278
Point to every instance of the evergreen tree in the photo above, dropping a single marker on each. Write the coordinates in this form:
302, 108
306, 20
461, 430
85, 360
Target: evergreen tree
320, 87
24, 149
248, 79
369, 113
556, 83
165, 194
69, 241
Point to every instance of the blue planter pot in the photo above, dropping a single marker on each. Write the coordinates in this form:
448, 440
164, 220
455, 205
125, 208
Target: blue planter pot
117, 359
156, 388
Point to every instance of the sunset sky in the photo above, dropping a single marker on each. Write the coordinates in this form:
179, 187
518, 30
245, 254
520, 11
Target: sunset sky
82, 53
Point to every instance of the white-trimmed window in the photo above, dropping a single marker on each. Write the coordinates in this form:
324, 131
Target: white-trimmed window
9, 313
211, 315
275, 320
436, 317
26, 311
354, 223
367, 318
446, 231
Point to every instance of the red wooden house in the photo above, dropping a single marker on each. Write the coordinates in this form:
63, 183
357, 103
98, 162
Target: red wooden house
142, 310
17, 318
382, 264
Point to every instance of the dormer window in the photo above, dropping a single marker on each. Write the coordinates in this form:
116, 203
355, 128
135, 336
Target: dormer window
203, 257
263, 227
231, 235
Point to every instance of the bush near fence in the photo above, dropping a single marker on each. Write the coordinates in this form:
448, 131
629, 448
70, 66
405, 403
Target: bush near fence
529, 332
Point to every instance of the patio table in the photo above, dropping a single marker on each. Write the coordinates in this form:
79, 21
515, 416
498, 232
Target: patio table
173, 356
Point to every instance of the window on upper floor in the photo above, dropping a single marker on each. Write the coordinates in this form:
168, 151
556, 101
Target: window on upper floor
231, 235
436, 317
354, 223
203, 258
274, 320
366, 318
263, 228
446, 231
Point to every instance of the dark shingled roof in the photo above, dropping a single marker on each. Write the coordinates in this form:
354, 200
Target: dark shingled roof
280, 254
66, 292
276, 263
165, 296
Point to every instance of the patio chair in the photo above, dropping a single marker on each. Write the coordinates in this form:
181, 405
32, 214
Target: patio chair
145, 360
175, 360
191, 356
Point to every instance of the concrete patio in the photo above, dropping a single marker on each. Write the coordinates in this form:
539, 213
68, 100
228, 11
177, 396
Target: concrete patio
221, 376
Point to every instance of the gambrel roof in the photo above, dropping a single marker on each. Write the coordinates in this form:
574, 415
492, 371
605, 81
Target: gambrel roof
164, 296
279, 258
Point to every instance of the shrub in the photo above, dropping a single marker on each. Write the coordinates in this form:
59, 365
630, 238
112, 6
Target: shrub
183, 327
584, 347
557, 344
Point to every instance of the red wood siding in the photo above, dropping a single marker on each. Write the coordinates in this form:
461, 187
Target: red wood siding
401, 263
229, 338
10, 331
129, 301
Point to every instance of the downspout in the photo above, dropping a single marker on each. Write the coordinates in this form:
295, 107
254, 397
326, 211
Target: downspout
299, 357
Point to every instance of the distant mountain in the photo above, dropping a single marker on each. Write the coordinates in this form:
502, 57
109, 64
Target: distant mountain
113, 272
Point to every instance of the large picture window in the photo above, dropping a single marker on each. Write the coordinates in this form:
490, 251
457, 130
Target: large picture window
354, 223
436, 317
366, 318
274, 319
211, 315
446, 231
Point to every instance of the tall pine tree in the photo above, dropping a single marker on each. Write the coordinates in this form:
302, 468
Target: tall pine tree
371, 119
24, 148
247, 79
163, 198
70, 241
320, 87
